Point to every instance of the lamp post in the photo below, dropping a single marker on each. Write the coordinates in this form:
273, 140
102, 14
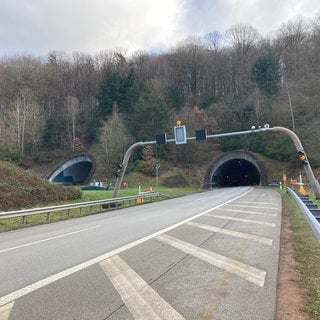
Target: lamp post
157, 174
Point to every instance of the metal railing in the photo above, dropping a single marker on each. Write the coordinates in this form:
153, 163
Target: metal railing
103, 205
313, 222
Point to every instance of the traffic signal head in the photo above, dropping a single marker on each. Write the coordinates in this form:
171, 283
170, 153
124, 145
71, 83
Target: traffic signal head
161, 138
201, 134
302, 157
118, 170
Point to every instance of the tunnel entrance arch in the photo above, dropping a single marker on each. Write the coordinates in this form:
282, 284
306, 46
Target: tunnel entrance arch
236, 168
76, 171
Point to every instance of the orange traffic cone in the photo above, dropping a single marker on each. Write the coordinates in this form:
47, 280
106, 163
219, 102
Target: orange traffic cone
302, 191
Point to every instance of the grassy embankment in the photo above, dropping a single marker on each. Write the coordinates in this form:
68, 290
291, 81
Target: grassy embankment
20, 189
307, 255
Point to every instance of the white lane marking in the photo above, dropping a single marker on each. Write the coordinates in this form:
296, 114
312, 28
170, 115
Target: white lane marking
49, 239
44, 282
259, 207
242, 270
250, 212
256, 202
269, 224
140, 299
231, 233
5, 311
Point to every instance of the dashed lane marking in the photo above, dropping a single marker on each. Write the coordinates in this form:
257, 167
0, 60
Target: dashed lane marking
242, 270
140, 299
231, 233
269, 224
48, 239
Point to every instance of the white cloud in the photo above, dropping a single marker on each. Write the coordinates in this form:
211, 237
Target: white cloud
89, 26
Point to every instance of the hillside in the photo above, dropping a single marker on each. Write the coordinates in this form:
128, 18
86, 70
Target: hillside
21, 189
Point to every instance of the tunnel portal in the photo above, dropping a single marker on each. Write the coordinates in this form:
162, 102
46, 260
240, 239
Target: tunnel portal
76, 171
236, 168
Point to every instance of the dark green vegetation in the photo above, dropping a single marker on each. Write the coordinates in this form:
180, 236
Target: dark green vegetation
59, 105
307, 254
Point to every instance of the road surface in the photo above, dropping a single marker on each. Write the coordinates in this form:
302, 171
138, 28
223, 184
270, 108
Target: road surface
212, 255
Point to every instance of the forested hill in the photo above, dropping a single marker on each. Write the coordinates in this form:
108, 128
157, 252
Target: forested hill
72, 103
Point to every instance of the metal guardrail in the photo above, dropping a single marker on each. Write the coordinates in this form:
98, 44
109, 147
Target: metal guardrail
313, 222
107, 203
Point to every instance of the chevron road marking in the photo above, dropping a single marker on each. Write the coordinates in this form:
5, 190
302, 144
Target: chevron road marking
259, 207
269, 224
5, 311
255, 202
236, 234
249, 212
242, 270
140, 299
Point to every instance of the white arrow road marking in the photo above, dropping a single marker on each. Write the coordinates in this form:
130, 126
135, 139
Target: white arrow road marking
5, 311
269, 224
249, 273
231, 233
140, 299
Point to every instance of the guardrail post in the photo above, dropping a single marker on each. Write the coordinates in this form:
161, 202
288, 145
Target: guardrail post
24, 219
48, 216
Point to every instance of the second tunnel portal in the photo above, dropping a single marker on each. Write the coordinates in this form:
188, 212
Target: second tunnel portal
236, 168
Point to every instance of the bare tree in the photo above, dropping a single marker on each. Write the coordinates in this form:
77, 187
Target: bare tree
114, 140
73, 109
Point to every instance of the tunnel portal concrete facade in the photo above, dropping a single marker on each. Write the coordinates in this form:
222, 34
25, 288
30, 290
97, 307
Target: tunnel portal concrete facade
76, 171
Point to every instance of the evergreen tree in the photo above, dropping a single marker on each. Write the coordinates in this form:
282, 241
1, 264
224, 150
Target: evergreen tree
124, 90
149, 117
54, 134
266, 73
109, 92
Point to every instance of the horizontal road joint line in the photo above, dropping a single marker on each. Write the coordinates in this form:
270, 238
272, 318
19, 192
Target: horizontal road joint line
242, 270
269, 224
5, 311
60, 275
250, 212
141, 300
259, 207
49, 239
231, 233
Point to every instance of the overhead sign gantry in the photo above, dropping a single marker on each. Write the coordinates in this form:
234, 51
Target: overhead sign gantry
180, 137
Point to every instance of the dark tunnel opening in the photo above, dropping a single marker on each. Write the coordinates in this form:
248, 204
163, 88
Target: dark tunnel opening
74, 174
236, 172
77, 170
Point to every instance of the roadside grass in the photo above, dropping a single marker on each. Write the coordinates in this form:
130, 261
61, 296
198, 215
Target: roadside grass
307, 255
86, 196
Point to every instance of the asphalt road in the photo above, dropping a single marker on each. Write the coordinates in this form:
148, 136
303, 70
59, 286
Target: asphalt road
213, 255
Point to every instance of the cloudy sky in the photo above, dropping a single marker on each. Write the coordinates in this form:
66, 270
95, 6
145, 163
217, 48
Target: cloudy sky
39, 26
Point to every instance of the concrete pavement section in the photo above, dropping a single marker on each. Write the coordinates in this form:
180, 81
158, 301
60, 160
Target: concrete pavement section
221, 265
